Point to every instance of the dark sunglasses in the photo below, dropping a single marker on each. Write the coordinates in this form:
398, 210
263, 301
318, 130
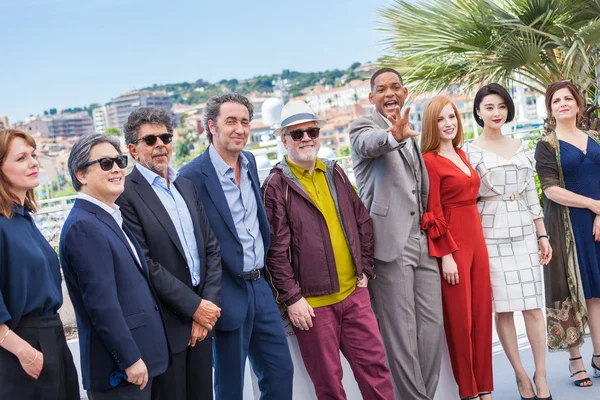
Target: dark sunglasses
150, 140
106, 163
298, 134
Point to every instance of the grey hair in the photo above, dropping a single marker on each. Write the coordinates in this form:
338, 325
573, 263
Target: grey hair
80, 154
146, 115
213, 107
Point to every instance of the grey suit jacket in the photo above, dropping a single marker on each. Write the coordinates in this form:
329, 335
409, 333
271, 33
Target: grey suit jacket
385, 184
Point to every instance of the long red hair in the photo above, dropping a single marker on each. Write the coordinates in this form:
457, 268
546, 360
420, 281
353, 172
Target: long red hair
430, 135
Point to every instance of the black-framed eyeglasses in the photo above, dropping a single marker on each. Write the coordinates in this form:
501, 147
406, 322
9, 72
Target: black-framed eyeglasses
106, 163
298, 134
150, 140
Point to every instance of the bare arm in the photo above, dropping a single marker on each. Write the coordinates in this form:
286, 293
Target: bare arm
569, 199
32, 361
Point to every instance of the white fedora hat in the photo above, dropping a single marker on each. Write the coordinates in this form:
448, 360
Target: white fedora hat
294, 113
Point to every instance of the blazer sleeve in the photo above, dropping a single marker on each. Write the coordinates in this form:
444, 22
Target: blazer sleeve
89, 254
440, 239
287, 289
369, 140
365, 228
170, 290
211, 290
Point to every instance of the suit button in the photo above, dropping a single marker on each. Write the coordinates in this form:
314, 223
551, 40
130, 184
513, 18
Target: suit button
239, 252
414, 191
156, 307
412, 213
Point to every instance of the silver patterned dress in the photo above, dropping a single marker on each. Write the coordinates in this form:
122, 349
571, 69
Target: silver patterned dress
508, 203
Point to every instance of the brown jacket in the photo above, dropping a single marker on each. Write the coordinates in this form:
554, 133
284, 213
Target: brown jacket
300, 260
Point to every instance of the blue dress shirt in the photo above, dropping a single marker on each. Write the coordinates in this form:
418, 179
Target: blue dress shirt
177, 209
29, 270
243, 207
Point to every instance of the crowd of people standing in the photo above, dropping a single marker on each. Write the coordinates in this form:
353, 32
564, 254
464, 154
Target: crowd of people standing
176, 274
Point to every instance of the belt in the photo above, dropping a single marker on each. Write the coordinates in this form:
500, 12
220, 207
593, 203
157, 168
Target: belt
253, 275
40, 322
504, 197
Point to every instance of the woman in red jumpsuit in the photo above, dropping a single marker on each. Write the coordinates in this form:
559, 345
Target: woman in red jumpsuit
456, 238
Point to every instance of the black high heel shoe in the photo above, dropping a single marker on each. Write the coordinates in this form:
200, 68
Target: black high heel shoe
525, 398
595, 367
541, 398
579, 382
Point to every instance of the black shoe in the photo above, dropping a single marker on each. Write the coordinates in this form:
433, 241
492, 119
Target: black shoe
525, 398
579, 382
595, 367
541, 398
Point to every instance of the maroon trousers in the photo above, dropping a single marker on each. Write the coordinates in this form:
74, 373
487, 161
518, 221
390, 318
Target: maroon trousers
349, 326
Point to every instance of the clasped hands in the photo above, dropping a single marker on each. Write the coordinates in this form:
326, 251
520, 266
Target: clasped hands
204, 320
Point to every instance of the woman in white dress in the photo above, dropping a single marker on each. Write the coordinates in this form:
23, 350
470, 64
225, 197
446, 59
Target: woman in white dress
511, 215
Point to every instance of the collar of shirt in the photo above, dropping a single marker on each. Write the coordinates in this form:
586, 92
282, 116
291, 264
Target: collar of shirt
320, 165
113, 211
152, 177
387, 121
21, 210
220, 165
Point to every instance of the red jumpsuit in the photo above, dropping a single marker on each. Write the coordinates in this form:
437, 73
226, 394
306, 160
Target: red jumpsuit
453, 227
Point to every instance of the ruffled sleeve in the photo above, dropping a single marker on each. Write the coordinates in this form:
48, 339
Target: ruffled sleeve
440, 239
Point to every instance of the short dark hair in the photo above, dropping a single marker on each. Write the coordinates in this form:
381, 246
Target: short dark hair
555, 87
146, 115
80, 154
493, 88
383, 71
213, 108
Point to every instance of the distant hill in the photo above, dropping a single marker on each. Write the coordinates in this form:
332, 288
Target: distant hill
199, 91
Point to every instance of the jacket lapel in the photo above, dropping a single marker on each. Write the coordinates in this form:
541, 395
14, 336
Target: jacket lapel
150, 198
215, 191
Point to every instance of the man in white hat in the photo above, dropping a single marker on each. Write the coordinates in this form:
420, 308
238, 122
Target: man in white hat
321, 259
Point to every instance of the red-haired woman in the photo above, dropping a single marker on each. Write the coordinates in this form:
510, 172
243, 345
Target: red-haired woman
456, 239
35, 362
568, 164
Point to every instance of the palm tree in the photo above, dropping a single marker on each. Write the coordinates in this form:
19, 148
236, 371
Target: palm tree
440, 44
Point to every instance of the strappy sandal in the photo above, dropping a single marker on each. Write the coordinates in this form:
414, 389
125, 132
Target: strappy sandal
579, 382
595, 367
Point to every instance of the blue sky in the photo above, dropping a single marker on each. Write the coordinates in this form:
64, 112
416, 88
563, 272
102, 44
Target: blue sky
68, 53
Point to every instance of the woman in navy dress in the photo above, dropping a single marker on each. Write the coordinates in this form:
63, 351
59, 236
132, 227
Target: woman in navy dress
35, 361
568, 164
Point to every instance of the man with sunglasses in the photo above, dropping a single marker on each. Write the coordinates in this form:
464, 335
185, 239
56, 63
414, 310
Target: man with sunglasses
122, 337
164, 213
393, 184
321, 259
250, 325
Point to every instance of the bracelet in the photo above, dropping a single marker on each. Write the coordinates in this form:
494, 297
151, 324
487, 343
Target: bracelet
34, 358
5, 335
543, 236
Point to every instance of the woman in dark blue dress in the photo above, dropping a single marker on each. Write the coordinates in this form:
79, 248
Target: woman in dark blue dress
568, 164
35, 361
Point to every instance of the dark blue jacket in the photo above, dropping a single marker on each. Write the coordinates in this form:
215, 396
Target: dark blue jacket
234, 294
118, 316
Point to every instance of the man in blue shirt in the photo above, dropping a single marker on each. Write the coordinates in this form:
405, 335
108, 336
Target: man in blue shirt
250, 325
165, 214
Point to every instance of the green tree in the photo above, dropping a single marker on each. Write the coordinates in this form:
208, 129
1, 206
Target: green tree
112, 131
439, 44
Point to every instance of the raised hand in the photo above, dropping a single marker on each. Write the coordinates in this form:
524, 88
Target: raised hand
400, 128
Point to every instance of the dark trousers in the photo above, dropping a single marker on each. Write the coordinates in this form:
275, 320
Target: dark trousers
189, 377
262, 339
125, 391
58, 379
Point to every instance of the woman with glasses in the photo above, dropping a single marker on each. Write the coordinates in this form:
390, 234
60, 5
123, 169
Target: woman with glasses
511, 215
35, 361
456, 239
568, 165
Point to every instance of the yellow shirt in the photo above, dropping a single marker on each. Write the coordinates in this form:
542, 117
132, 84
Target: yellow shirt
318, 190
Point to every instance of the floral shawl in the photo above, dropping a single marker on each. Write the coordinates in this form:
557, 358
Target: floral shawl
566, 310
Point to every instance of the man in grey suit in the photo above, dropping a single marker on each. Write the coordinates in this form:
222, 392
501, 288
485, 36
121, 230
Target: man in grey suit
393, 184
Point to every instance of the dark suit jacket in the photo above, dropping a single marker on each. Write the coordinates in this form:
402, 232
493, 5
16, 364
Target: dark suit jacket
118, 316
234, 295
149, 221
